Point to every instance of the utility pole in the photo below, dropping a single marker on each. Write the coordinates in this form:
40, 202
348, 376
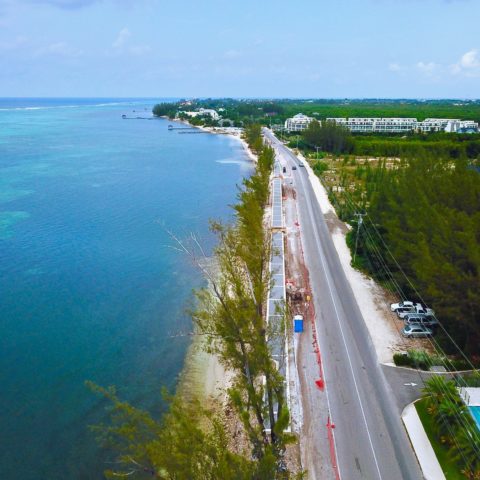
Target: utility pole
360, 221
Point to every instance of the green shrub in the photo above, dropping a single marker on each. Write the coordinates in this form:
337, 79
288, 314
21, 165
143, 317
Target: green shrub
402, 360
319, 168
417, 359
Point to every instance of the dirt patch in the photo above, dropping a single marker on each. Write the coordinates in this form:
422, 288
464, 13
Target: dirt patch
335, 224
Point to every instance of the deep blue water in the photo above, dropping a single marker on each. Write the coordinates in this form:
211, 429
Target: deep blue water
90, 286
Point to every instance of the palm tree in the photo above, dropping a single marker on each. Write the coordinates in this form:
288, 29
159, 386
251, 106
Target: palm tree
448, 418
466, 451
438, 388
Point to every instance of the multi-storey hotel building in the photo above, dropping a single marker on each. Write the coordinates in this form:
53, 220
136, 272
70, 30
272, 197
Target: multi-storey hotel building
389, 125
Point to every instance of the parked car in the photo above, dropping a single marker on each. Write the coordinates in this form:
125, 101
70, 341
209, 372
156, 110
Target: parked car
395, 306
402, 311
300, 164
416, 331
423, 309
421, 319
284, 169
294, 167
407, 307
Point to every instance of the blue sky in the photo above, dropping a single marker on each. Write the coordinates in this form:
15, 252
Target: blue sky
303, 48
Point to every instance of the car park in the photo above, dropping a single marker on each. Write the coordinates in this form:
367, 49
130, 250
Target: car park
421, 319
416, 331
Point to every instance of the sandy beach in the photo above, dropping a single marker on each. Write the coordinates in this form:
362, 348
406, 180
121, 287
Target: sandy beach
203, 375
232, 132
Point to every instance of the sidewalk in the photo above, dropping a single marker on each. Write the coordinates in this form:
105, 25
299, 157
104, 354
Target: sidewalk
421, 444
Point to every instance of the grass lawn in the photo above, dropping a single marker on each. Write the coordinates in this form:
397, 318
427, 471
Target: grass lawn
450, 469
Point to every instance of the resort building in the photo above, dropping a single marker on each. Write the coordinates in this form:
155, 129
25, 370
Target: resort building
204, 112
434, 124
393, 125
462, 126
297, 123
404, 125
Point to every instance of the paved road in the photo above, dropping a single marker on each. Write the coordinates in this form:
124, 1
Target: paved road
370, 439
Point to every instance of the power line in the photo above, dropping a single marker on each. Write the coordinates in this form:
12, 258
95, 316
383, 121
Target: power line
461, 420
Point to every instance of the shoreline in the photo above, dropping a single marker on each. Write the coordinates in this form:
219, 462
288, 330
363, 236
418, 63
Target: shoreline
232, 132
203, 376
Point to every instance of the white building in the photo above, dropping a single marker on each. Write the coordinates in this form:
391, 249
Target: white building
461, 126
297, 123
435, 124
204, 112
403, 125
385, 125
395, 125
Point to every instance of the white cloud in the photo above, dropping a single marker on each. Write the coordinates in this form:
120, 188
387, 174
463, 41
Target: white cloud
468, 65
395, 67
122, 38
470, 59
122, 45
427, 67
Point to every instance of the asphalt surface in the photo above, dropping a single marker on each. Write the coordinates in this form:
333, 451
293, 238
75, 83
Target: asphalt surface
370, 440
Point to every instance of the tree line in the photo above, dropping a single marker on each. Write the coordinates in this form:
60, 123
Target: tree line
332, 138
424, 216
192, 442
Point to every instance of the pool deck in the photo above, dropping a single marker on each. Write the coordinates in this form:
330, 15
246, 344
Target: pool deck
470, 395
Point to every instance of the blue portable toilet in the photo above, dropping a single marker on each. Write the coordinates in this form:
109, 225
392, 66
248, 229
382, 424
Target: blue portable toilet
298, 323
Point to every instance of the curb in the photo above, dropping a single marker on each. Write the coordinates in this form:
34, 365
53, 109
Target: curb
421, 444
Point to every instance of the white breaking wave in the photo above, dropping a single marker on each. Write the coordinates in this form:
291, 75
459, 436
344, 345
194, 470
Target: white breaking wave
51, 107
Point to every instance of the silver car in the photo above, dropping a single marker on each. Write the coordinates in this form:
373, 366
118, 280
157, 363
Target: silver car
416, 331
403, 311
421, 319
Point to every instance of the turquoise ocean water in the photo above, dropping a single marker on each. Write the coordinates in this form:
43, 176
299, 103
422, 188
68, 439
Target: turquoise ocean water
90, 286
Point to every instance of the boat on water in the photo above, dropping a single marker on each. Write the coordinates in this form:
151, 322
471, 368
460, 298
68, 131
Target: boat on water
170, 127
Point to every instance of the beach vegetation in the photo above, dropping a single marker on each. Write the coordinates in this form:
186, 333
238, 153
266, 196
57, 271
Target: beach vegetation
165, 109
231, 314
191, 442
188, 443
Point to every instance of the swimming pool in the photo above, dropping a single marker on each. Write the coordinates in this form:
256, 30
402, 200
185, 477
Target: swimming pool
475, 411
